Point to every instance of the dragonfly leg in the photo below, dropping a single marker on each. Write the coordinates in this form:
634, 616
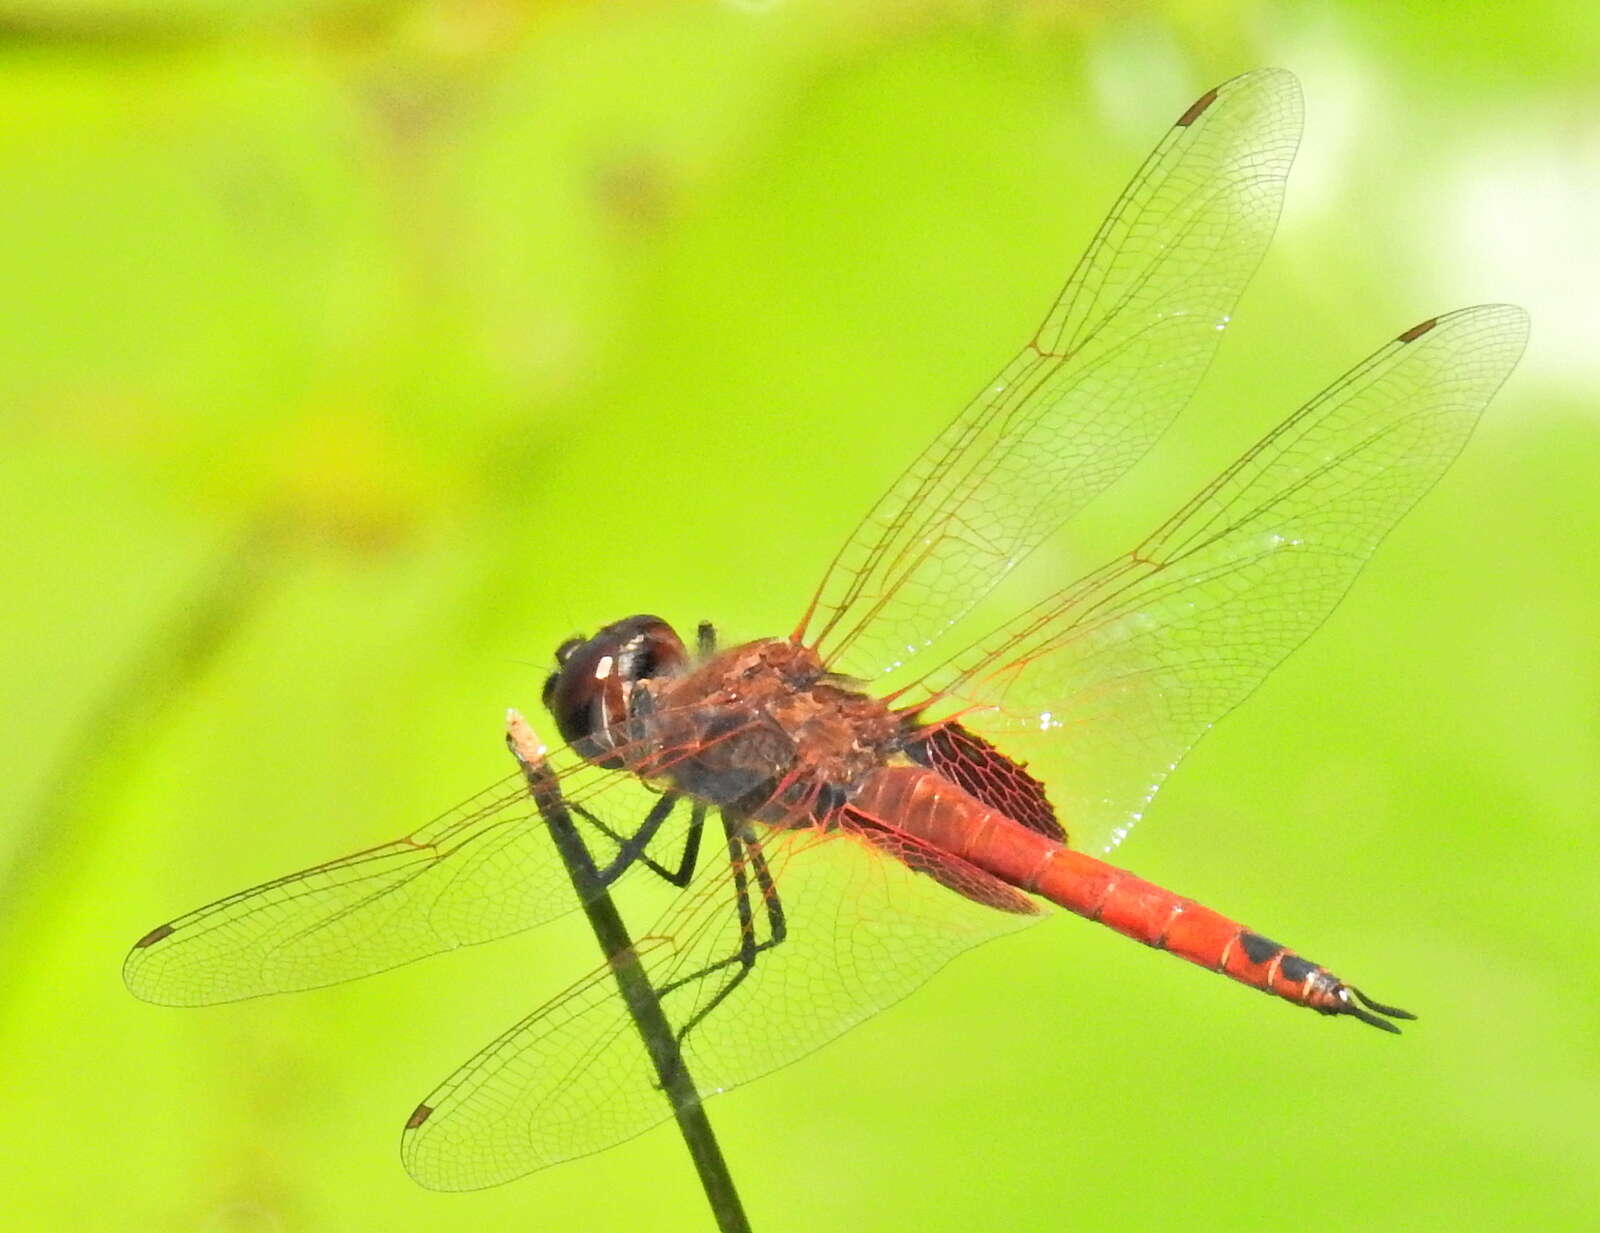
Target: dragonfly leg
706, 638
743, 850
632, 848
684, 874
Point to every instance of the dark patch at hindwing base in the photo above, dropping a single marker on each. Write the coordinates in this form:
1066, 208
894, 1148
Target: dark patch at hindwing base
983, 772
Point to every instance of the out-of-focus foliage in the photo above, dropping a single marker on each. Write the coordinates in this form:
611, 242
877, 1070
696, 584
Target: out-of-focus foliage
354, 354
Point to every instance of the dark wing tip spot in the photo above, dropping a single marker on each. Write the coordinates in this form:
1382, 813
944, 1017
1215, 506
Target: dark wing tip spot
1418, 330
154, 936
419, 1115
1197, 108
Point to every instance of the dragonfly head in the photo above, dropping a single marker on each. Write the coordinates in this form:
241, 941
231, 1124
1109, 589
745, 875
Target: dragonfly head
590, 694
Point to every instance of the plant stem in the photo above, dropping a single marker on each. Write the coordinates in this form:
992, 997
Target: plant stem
640, 996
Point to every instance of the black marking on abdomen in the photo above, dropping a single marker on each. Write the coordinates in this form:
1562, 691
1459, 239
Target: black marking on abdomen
1296, 969
1258, 948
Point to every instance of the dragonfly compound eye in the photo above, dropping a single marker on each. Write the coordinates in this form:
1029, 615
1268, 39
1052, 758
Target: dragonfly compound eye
588, 695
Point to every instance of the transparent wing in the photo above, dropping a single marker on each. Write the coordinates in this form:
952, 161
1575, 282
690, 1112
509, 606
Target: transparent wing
1113, 363
835, 926
1121, 673
485, 869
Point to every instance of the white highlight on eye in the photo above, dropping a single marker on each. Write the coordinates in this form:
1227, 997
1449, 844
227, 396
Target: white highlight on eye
602, 670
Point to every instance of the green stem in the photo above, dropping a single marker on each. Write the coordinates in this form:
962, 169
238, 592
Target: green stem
640, 996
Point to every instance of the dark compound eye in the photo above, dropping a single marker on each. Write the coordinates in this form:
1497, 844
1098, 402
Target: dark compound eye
639, 661
591, 694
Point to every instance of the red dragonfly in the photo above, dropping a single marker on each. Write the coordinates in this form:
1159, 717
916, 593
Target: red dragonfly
866, 827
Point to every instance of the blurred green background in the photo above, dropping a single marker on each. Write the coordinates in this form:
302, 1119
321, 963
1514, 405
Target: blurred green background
356, 353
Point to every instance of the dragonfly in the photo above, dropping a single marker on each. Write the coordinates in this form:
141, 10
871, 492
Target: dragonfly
834, 815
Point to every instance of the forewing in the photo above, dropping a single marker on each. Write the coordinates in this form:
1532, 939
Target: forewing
859, 930
1120, 674
1113, 363
485, 869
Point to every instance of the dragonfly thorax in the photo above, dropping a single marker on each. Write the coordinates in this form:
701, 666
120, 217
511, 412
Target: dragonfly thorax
765, 731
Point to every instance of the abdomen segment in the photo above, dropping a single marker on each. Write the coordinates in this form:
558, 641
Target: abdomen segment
928, 807
1159, 918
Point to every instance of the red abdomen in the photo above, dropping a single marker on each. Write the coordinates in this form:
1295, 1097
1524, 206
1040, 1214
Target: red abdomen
922, 804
